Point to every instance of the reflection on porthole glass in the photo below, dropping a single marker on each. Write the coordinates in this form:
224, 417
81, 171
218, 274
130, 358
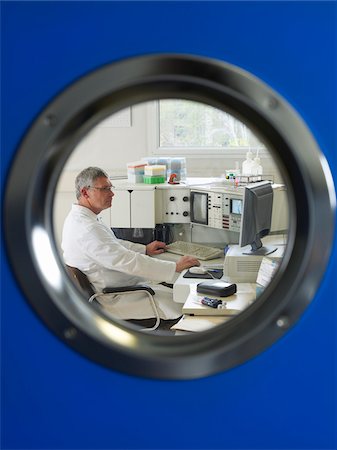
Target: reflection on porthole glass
172, 216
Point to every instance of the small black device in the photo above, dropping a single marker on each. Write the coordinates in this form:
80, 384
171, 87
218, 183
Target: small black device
212, 302
199, 207
216, 287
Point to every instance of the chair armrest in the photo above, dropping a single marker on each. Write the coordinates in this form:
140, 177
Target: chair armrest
135, 288
139, 287
169, 285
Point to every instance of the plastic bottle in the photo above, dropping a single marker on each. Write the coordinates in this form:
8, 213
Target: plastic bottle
247, 165
257, 167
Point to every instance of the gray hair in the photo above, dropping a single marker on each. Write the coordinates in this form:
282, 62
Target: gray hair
87, 178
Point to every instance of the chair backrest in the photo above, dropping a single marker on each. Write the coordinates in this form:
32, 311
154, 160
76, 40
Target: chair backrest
81, 281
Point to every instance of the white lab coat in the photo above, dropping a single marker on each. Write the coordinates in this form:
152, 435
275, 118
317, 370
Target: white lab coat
92, 247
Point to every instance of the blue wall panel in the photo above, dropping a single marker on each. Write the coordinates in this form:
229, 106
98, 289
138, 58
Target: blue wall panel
54, 398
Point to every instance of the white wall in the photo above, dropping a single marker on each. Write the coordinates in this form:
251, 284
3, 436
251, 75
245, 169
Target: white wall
111, 148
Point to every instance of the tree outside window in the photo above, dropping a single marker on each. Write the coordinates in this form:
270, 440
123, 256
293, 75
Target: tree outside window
188, 125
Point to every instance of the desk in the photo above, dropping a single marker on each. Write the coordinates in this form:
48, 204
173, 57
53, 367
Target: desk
238, 267
198, 317
245, 296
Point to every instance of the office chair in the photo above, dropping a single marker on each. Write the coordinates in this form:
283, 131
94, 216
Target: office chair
82, 281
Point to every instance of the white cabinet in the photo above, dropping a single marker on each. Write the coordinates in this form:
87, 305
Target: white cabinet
120, 209
133, 208
142, 209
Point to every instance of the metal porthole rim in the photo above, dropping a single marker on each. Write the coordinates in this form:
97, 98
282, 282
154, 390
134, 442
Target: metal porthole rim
60, 127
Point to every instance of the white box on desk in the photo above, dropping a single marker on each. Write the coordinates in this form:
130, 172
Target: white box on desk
240, 268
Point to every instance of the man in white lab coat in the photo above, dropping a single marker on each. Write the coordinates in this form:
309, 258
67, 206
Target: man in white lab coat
92, 247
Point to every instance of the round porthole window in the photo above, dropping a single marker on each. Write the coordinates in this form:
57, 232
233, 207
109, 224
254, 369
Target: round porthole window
30, 215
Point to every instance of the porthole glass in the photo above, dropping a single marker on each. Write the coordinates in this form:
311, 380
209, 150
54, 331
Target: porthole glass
31, 235
211, 168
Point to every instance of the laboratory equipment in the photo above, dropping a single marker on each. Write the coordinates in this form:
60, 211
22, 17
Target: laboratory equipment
247, 165
257, 166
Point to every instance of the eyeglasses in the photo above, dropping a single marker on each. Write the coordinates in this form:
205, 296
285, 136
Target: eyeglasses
103, 189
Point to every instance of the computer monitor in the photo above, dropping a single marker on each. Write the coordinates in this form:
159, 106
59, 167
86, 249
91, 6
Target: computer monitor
199, 207
256, 218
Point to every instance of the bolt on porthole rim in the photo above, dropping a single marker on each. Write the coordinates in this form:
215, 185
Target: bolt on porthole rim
50, 141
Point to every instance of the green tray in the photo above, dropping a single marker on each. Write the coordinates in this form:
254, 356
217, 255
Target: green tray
153, 180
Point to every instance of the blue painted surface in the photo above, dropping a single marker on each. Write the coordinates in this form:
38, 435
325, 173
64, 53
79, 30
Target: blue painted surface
54, 398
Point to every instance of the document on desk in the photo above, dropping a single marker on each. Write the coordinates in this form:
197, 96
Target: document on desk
196, 324
246, 288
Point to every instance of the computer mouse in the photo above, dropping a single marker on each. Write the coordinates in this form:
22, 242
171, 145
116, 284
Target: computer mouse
198, 270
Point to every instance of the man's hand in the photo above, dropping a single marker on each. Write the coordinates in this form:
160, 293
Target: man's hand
185, 262
155, 248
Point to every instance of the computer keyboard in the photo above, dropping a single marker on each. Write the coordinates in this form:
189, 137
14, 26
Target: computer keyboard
198, 251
